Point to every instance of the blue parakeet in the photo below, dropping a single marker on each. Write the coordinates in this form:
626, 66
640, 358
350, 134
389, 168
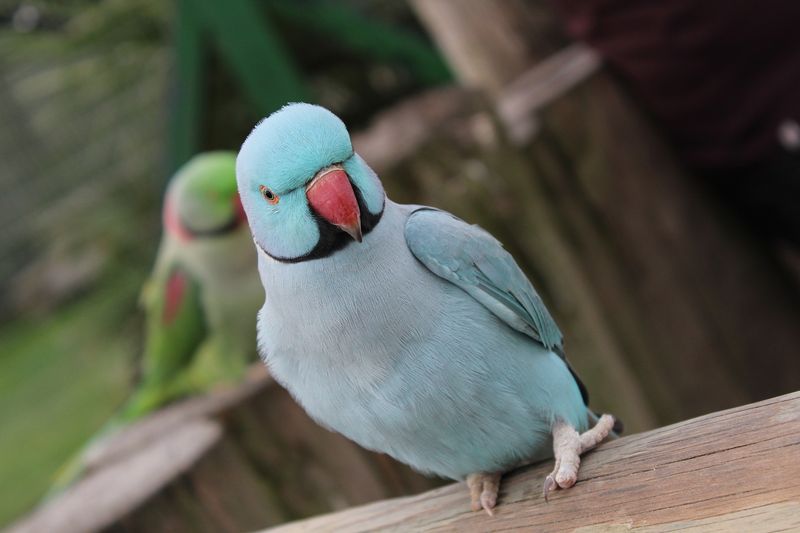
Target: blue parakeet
402, 327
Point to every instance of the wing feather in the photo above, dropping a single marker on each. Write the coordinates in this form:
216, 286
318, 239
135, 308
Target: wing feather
472, 259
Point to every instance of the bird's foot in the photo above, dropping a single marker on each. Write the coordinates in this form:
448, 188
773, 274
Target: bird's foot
483, 491
568, 445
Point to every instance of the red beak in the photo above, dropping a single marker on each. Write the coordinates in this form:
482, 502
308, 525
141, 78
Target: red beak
332, 197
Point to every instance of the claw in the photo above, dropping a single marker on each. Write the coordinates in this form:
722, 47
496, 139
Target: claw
483, 491
549, 486
488, 501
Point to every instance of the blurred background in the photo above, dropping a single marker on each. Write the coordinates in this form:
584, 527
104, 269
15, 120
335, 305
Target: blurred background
642, 163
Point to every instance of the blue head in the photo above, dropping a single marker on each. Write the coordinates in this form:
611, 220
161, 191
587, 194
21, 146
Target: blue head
305, 192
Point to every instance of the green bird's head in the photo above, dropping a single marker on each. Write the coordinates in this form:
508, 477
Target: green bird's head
202, 200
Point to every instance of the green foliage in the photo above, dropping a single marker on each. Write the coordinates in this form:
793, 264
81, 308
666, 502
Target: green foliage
82, 96
60, 379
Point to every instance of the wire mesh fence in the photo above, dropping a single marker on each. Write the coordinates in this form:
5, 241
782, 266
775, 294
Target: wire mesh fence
83, 96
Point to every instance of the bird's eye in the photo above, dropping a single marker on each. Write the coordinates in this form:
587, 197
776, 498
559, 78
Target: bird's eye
268, 195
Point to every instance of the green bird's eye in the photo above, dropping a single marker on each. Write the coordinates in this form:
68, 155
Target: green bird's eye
268, 195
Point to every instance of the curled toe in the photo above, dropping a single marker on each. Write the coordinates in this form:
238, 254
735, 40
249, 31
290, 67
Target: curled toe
488, 502
566, 480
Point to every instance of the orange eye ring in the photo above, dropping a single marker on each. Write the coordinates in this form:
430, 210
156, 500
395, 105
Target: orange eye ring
268, 195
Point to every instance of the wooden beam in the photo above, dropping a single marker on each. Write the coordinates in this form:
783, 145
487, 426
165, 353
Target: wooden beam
520, 101
736, 470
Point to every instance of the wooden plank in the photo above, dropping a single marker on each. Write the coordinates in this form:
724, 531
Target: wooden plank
549, 79
735, 470
519, 102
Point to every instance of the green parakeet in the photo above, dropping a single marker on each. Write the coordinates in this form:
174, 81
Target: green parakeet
200, 300
204, 292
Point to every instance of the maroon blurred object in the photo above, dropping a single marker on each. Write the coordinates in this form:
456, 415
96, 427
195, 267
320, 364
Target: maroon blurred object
720, 75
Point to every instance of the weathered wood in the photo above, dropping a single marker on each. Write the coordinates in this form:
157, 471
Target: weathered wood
707, 318
736, 470
235, 460
520, 101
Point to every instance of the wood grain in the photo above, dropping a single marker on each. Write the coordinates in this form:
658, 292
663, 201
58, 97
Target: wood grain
736, 470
